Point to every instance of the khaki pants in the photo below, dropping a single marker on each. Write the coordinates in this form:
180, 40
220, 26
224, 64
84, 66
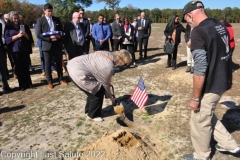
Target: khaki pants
204, 123
190, 61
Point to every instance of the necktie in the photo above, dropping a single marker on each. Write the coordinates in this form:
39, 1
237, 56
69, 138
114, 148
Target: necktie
102, 31
50, 24
80, 36
142, 22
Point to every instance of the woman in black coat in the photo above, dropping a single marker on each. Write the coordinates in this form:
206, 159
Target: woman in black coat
173, 33
127, 32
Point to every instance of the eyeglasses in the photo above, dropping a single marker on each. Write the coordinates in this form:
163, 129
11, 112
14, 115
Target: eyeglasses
135, 20
81, 13
125, 20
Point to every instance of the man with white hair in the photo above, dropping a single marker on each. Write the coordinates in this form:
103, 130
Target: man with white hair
74, 38
212, 77
117, 36
143, 27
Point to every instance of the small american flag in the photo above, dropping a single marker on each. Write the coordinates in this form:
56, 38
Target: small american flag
139, 95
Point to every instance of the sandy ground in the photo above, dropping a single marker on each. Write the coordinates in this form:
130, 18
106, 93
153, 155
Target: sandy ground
51, 124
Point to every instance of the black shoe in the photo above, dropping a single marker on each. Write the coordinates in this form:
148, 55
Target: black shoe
31, 87
22, 88
174, 67
145, 56
192, 70
188, 69
7, 90
168, 66
135, 64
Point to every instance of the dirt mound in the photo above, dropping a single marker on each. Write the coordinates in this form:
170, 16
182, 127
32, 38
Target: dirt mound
122, 144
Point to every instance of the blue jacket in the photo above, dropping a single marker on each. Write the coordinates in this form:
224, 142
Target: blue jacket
39, 41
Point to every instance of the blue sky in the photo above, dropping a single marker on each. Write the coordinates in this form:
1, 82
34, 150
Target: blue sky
161, 4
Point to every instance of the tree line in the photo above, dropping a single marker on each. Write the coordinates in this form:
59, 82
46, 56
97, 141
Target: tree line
64, 10
29, 12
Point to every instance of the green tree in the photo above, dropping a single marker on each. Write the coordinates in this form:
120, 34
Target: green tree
65, 8
112, 4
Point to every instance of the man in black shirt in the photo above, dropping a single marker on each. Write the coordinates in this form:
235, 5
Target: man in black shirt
212, 77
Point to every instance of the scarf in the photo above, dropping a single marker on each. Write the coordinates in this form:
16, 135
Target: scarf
127, 26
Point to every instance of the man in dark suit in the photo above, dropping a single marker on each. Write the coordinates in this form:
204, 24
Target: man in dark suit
116, 31
86, 30
52, 45
143, 27
90, 34
39, 44
74, 38
3, 66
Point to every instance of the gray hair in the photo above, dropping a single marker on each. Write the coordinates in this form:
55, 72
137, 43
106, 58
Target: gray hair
123, 56
11, 14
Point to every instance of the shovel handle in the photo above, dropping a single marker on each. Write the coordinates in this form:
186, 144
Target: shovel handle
116, 101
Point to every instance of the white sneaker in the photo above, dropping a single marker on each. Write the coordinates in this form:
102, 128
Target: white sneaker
97, 119
236, 150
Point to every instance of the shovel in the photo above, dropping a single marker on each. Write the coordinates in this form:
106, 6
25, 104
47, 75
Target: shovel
119, 110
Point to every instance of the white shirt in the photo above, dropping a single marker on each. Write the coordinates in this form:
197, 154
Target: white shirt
50, 23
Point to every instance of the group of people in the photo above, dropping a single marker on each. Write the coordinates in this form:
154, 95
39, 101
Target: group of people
173, 32
74, 40
209, 44
123, 34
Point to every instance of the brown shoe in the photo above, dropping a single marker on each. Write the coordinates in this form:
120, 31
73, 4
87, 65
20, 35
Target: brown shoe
63, 83
43, 74
54, 72
50, 86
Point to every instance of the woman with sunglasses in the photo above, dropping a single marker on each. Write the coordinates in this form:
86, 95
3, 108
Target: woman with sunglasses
127, 32
173, 33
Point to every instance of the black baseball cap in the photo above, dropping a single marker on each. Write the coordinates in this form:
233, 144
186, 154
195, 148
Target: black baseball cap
190, 6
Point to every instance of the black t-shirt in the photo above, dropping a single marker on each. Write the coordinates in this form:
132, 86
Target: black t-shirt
212, 36
199, 39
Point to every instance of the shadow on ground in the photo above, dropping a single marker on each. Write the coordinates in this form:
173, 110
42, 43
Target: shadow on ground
230, 104
235, 66
156, 104
10, 109
231, 121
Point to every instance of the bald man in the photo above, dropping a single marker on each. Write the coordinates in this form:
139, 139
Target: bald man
6, 17
74, 39
211, 78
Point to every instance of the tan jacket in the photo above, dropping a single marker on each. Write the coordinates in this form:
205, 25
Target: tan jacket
92, 71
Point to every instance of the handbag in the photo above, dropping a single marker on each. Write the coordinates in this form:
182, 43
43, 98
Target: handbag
169, 47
